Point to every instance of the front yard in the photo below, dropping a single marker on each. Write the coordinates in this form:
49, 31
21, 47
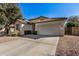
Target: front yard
68, 46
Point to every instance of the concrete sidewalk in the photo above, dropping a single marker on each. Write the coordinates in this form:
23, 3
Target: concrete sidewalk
29, 47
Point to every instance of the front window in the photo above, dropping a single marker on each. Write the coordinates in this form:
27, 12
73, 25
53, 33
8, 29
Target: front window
17, 27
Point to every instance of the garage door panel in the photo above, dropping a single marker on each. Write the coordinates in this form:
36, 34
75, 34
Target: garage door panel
49, 30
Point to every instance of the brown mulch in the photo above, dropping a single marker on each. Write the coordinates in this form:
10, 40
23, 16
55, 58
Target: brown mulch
68, 46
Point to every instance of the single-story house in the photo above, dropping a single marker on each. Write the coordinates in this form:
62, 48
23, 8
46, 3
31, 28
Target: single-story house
54, 26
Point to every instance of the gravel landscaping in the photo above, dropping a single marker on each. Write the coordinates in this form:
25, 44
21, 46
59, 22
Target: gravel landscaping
68, 46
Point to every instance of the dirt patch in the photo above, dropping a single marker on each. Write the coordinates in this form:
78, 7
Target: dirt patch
68, 46
6, 39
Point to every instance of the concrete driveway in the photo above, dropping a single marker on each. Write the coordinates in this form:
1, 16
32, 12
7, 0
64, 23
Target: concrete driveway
20, 46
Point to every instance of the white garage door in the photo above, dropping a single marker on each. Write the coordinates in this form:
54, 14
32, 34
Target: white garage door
48, 29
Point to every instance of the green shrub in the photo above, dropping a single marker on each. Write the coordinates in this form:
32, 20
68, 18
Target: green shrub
72, 24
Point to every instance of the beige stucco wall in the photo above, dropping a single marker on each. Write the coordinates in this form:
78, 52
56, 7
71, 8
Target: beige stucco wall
25, 27
50, 28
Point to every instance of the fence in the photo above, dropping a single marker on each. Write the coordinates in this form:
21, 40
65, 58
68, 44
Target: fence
72, 30
75, 30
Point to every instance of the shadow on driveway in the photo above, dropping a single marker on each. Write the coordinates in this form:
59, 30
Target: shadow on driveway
40, 36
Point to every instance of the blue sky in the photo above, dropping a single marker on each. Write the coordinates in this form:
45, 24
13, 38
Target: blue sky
32, 10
